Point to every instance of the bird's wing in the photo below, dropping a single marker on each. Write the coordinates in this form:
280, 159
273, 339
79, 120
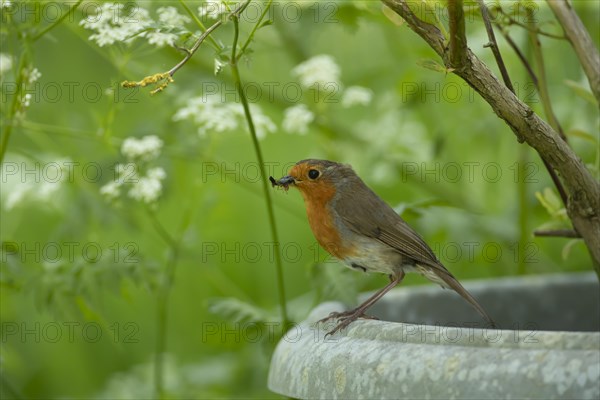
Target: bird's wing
376, 219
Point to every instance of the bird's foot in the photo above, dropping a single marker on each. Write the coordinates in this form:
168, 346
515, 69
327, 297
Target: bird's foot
344, 319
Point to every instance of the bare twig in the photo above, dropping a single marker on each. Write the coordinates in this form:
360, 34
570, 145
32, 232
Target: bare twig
567, 233
234, 14
193, 16
519, 53
512, 21
494, 46
584, 47
163, 79
458, 39
196, 46
555, 179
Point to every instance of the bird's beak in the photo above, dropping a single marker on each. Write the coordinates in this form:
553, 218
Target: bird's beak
286, 181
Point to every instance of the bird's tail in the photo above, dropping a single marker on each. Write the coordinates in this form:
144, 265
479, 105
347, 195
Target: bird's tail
454, 284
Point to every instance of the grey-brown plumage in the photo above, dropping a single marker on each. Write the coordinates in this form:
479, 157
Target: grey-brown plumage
351, 222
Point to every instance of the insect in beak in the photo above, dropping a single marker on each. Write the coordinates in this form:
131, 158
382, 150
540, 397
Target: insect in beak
284, 182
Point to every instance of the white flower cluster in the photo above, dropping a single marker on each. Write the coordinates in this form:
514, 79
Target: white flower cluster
321, 71
144, 188
5, 4
357, 95
149, 187
145, 149
213, 115
114, 23
33, 75
6, 63
297, 118
170, 19
33, 189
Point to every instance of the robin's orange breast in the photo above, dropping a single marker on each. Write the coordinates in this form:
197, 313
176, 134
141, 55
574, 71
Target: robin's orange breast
322, 222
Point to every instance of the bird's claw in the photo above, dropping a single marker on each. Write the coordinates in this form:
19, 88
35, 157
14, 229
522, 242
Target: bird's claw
344, 319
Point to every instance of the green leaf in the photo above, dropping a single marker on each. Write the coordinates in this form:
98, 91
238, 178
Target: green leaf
266, 22
583, 135
568, 246
237, 310
433, 65
552, 204
582, 92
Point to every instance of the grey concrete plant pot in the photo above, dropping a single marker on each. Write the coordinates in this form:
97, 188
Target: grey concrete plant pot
549, 346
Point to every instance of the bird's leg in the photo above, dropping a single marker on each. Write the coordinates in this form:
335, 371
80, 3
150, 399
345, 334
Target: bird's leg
347, 317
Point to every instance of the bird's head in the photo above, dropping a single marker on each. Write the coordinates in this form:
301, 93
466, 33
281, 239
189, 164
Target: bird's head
317, 179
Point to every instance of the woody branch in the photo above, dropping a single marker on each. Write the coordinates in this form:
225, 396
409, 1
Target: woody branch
584, 191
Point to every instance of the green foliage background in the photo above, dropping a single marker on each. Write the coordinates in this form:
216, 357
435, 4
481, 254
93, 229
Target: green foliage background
418, 118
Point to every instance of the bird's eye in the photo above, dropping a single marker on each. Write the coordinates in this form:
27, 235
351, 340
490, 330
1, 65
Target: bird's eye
313, 174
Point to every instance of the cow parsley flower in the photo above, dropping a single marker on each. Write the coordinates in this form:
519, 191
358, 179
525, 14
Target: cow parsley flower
356, 95
148, 188
26, 101
297, 118
112, 190
211, 114
129, 177
161, 39
144, 149
33, 75
321, 71
38, 185
112, 24
6, 62
171, 17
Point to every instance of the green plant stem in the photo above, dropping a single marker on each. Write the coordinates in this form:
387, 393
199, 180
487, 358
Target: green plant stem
266, 190
523, 214
542, 80
57, 22
255, 28
162, 306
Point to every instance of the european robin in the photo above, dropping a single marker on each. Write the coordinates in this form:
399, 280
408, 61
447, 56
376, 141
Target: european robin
354, 225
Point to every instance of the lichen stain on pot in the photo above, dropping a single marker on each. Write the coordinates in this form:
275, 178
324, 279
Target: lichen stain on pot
381, 368
340, 379
305, 376
452, 365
